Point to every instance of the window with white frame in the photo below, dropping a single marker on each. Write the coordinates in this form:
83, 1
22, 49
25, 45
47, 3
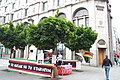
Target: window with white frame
26, 12
0, 2
7, 17
19, 3
17, 15
81, 17
33, 9
26, 1
4, 19
13, 5
61, 15
12, 16
5, 8
58, 2
86, 21
45, 6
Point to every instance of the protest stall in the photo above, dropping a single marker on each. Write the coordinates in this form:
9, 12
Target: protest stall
42, 64
64, 69
35, 64
32, 67
76, 65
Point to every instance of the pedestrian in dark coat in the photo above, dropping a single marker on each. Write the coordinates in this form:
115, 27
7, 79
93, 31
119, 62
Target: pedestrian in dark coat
106, 64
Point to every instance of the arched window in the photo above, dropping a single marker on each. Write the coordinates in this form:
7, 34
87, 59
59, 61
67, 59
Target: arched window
62, 15
43, 18
81, 17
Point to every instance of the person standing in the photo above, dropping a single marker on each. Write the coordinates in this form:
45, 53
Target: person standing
59, 59
106, 64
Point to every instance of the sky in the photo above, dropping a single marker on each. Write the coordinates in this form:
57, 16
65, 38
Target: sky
115, 12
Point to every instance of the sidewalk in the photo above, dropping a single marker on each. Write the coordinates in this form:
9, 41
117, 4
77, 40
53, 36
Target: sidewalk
94, 73
86, 73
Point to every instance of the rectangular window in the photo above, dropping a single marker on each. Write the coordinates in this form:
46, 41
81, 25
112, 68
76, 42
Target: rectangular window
5, 9
74, 21
0, 2
86, 21
80, 22
17, 14
26, 12
4, 18
34, 10
13, 5
19, 3
26, 1
7, 17
12, 16
45, 6
58, 2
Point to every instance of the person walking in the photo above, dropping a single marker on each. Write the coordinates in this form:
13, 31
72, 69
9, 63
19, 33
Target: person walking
106, 64
119, 61
116, 59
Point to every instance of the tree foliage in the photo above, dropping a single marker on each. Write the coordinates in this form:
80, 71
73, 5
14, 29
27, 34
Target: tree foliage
83, 38
1, 32
13, 36
51, 31
21, 35
8, 35
47, 34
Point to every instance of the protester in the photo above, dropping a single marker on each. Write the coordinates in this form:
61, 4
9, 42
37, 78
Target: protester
106, 64
47, 58
59, 59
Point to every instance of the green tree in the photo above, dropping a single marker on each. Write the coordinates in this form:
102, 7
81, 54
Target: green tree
51, 31
20, 38
8, 36
88, 37
14, 36
82, 38
1, 32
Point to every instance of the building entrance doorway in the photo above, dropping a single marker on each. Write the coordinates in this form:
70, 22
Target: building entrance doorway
101, 55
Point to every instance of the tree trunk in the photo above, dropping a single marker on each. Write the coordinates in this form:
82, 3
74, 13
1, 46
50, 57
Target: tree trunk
14, 53
11, 52
22, 53
73, 55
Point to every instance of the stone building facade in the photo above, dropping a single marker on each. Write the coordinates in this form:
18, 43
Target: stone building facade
93, 13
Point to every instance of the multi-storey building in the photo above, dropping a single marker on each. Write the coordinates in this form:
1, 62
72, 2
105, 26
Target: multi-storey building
93, 13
